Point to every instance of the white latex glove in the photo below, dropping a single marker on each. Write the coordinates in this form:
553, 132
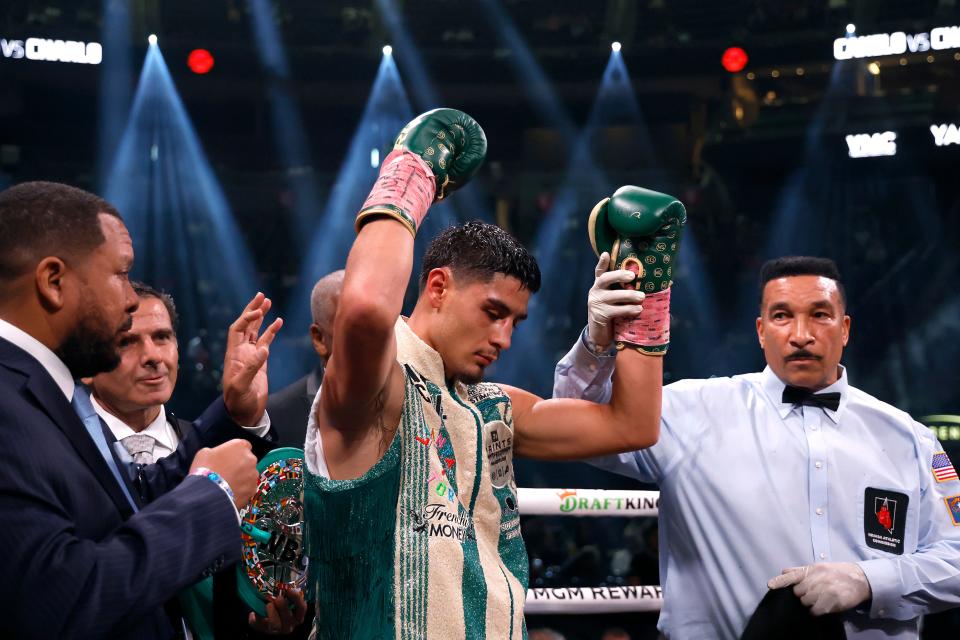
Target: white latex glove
826, 587
604, 304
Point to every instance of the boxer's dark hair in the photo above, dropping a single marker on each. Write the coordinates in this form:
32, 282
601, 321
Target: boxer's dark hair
801, 266
40, 219
146, 291
477, 250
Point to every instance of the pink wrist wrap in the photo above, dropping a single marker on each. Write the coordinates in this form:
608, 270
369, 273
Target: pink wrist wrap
403, 190
651, 328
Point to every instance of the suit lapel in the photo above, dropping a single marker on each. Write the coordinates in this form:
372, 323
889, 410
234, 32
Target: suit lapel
49, 398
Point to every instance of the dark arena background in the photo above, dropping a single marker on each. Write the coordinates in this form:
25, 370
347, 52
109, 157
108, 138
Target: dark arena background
238, 139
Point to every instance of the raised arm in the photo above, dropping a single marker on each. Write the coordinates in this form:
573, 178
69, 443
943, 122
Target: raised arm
363, 384
364, 352
569, 429
641, 231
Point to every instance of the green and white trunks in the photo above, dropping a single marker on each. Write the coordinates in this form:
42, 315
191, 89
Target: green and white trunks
426, 544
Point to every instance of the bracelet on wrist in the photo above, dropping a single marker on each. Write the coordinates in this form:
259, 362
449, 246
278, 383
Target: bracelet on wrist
215, 478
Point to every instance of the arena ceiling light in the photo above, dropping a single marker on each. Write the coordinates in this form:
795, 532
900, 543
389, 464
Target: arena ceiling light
152, 39
734, 59
183, 226
200, 61
328, 240
387, 50
616, 46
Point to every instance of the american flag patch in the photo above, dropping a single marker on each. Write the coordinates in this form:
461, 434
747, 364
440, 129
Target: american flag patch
943, 469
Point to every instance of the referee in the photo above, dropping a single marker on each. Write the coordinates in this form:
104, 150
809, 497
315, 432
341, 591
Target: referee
790, 477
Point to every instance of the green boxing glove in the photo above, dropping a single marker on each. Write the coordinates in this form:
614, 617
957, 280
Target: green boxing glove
436, 153
641, 229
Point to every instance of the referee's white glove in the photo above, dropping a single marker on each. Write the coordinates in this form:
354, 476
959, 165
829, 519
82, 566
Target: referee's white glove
604, 304
826, 587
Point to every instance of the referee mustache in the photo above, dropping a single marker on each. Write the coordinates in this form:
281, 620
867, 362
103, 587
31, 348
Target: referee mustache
803, 354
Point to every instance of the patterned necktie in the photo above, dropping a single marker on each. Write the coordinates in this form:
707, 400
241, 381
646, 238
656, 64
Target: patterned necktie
140, 447
84, 410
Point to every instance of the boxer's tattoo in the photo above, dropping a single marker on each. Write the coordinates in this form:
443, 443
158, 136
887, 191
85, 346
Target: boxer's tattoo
378, 403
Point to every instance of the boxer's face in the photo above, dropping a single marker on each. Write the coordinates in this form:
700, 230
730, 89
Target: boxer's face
475, 322
147, 372
803, 330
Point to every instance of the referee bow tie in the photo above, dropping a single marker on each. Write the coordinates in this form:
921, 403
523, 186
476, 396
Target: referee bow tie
799, 395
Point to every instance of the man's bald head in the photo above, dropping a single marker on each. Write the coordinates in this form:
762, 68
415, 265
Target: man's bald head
323, 308
324, 298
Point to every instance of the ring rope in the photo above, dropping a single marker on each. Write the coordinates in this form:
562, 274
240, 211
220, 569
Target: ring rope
588, 502
591, 502
570, 600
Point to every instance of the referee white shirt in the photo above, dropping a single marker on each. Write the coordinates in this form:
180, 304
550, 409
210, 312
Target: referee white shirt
750, 485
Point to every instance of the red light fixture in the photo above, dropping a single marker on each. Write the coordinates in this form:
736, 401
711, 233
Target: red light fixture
734, 59
200, 61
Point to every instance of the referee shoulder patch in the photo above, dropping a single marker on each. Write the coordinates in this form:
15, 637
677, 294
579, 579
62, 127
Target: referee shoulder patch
953, 506
942, 468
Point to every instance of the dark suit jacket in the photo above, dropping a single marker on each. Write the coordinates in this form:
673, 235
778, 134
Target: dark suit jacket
213, 428
229, 612
289, 408
78, 562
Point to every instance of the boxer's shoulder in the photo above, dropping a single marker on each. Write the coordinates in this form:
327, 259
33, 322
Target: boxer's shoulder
492, 401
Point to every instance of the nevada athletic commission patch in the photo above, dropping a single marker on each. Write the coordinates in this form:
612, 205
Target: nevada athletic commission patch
884, 519
953, 506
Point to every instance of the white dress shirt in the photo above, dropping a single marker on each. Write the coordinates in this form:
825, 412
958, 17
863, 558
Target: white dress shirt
165, 438
750, 485
47, 359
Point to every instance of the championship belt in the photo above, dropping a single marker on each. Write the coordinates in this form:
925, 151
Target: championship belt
272, 532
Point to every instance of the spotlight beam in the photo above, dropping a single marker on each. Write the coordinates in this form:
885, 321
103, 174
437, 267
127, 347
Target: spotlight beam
566, 261
386, 111
183, 230
286, 121
116, 87
425, 96
538, 87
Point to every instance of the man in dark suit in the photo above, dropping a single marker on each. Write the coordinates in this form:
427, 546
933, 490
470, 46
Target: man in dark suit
290, 407
84, 558
130, 399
